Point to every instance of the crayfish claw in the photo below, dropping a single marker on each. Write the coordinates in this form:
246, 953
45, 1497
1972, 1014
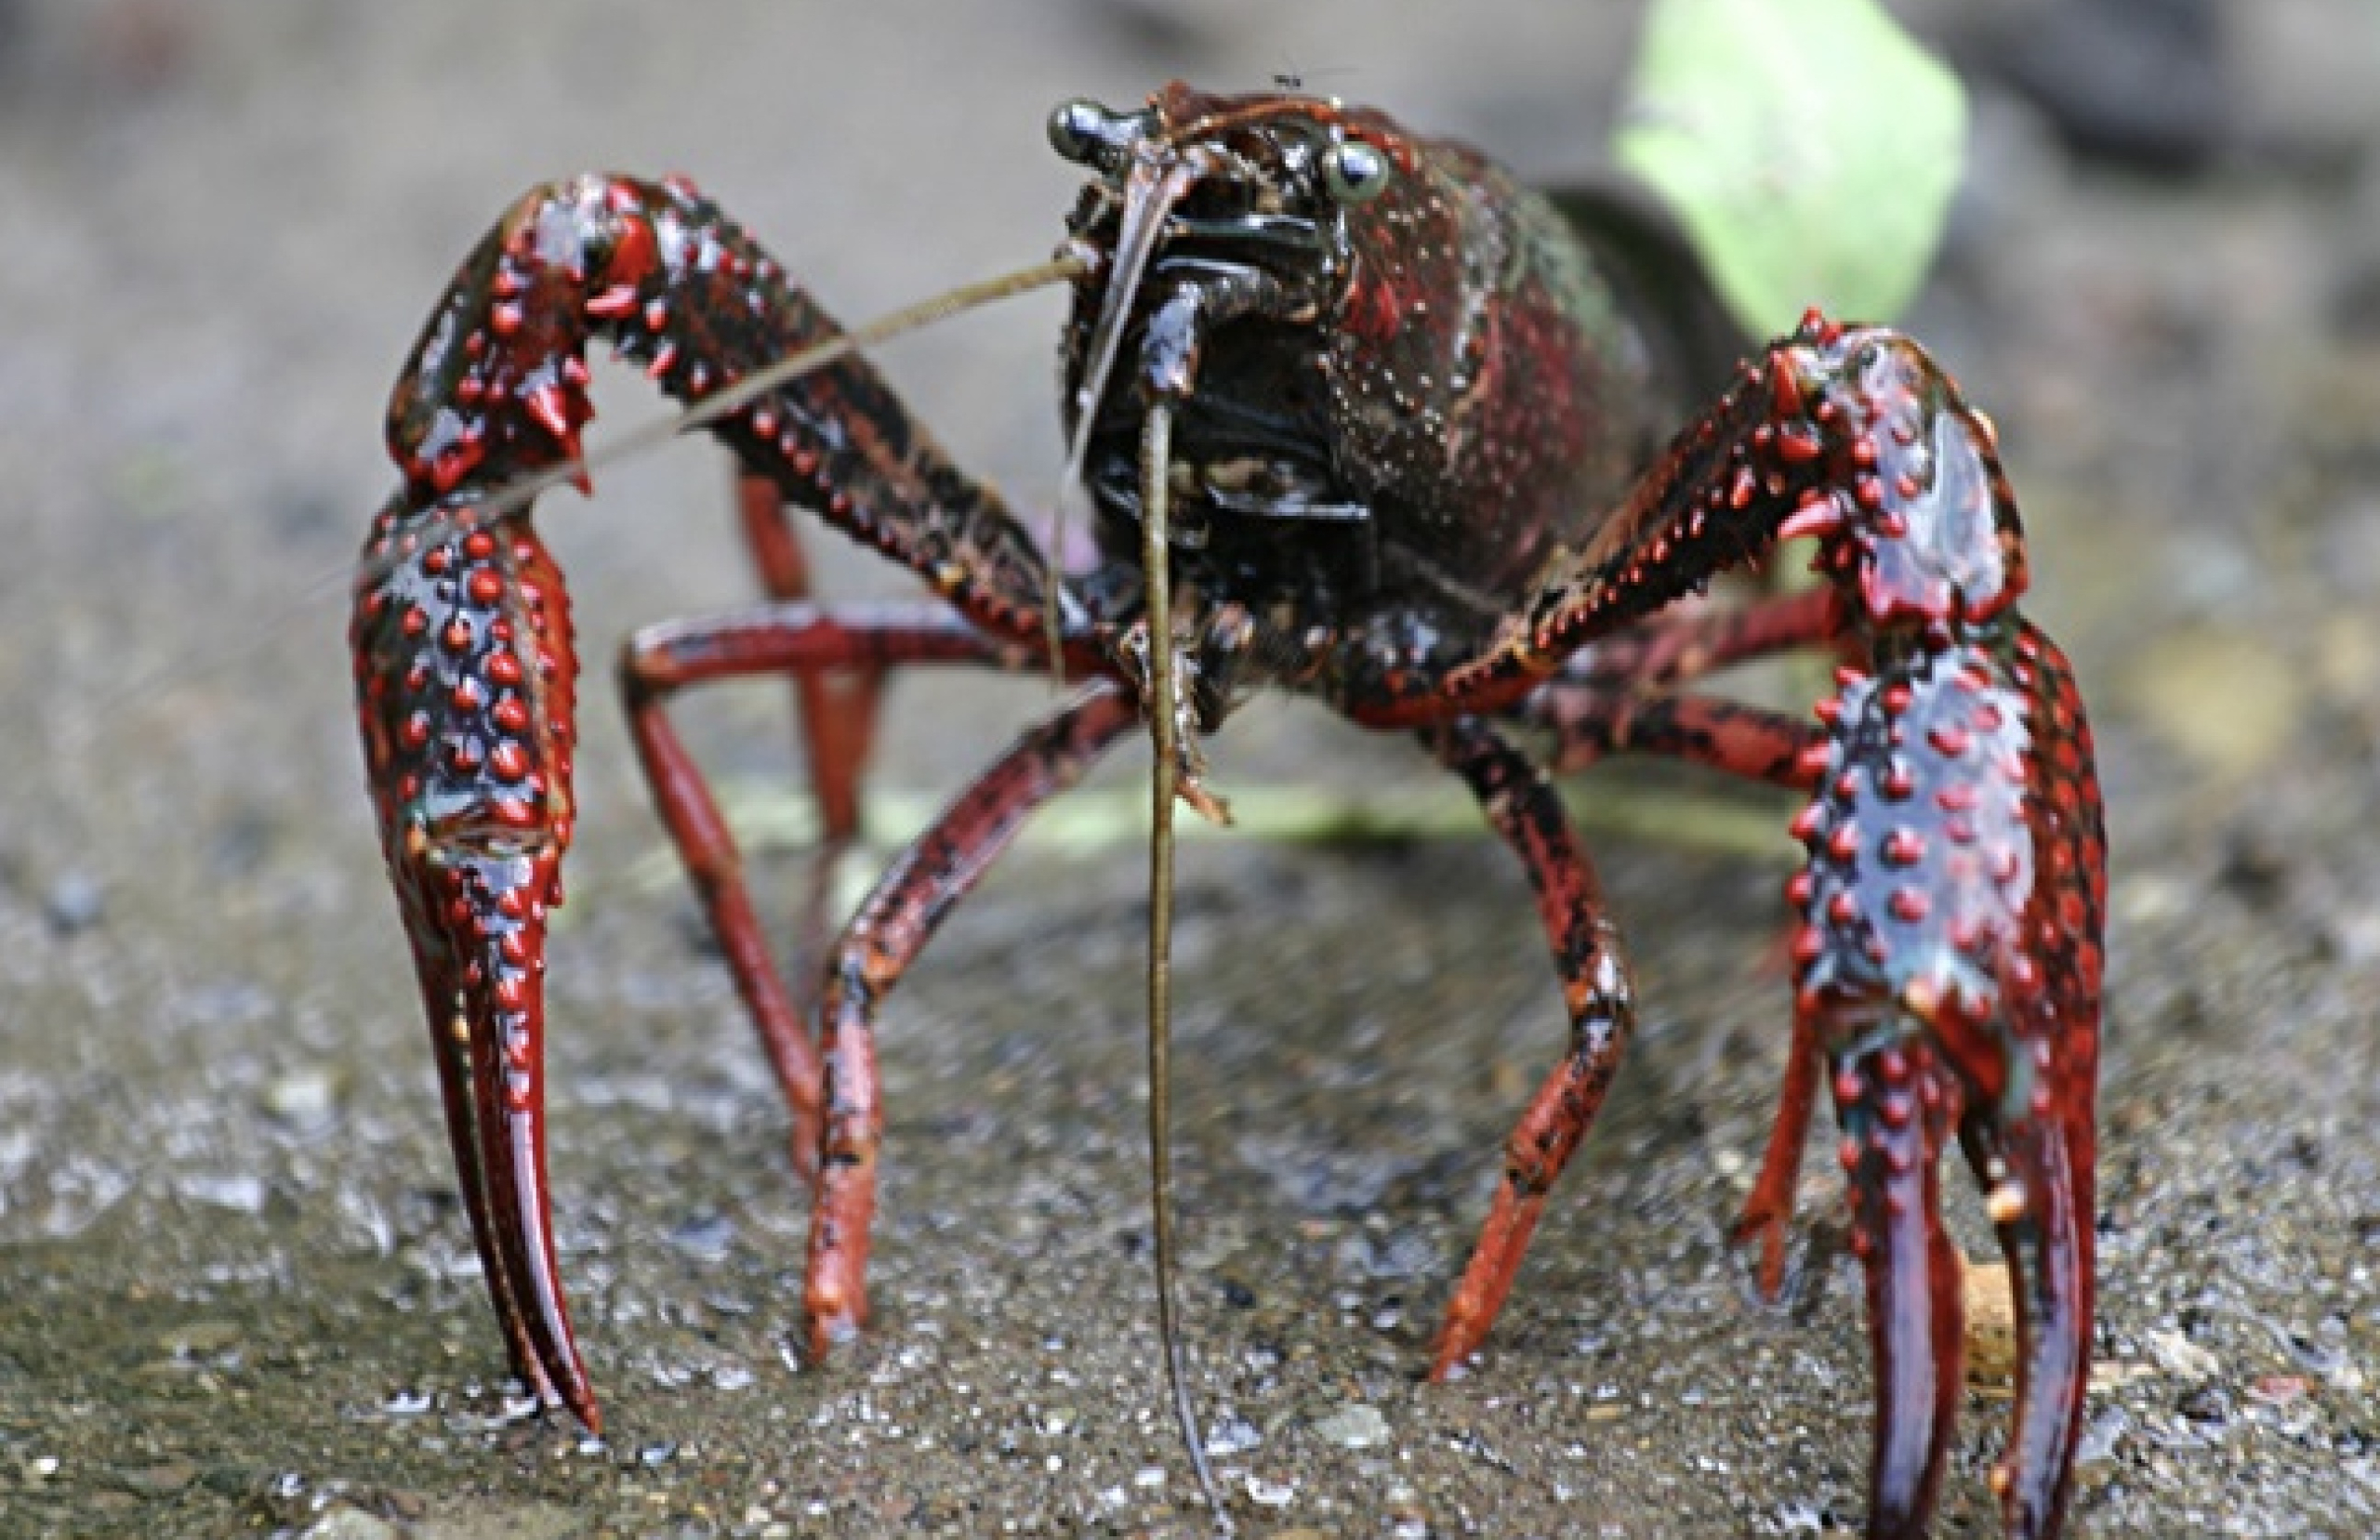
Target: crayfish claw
1949, 964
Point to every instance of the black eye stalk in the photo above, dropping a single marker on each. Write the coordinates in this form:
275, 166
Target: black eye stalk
1086, 133
1354, 171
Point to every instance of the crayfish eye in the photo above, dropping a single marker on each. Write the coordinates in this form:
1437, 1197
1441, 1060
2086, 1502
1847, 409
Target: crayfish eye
1084, 132
1354, 171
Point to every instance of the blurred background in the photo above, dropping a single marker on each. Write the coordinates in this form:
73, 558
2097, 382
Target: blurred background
236, 1289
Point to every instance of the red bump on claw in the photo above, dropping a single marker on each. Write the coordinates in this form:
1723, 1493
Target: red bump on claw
546, 402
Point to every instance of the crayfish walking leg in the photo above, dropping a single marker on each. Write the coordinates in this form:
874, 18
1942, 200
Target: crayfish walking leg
836, 708
1527, 813
838, 1137
807, 642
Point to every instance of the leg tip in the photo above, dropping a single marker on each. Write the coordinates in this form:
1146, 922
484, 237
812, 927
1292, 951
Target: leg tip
831, 1330
1451, 1360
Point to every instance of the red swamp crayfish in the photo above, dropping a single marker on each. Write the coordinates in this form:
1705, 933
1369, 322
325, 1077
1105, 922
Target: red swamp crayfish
1396, 441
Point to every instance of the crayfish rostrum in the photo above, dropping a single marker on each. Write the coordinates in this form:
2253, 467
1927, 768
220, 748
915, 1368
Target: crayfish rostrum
1410, 449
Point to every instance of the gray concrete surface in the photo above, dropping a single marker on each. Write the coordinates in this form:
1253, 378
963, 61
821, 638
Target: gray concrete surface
236, 1292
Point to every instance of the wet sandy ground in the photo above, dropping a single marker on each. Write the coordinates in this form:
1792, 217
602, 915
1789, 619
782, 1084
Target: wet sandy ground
236, 1292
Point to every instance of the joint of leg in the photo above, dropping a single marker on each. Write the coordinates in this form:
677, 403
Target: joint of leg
847, 989
643, 671
1530, 1163
1602, 1013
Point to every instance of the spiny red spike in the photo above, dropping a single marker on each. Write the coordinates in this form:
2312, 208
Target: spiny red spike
544, 403
616, 303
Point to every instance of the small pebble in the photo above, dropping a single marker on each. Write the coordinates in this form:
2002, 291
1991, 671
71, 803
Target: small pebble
352, 1524
704, 1237
75, 904
234, 1195
1265, 1493
1991, 1321
2278, 1389
2208, 1403
195, 1338
158, 1481
1353, 1425
304, 1098
1232, 1434
2178, 1356
2101, 1436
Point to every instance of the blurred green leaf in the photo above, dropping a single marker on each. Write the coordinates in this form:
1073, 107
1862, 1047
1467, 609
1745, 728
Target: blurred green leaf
1809, 146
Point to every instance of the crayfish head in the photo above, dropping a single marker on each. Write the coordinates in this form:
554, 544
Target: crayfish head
1223, 234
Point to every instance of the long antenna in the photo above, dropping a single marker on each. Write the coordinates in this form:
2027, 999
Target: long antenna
1157, 449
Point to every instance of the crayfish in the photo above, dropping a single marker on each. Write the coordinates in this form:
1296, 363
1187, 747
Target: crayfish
1355, 417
